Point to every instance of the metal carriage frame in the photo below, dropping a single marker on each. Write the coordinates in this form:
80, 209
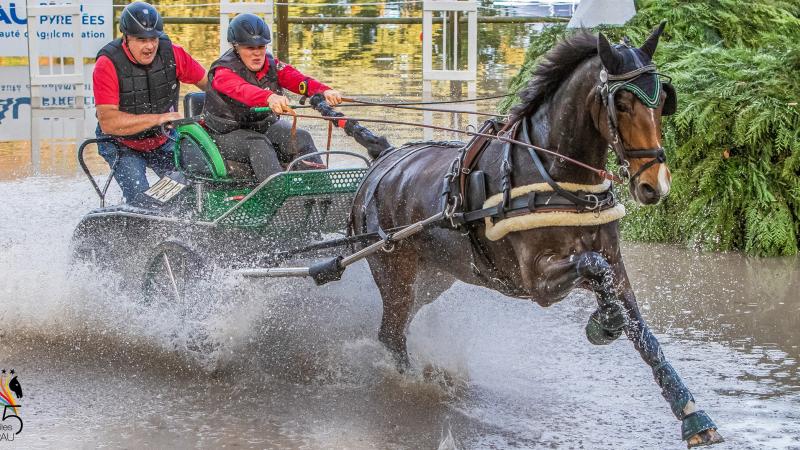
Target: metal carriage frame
219, 220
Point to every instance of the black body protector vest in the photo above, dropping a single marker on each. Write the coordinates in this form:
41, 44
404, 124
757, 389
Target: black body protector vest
224, 114
152, 89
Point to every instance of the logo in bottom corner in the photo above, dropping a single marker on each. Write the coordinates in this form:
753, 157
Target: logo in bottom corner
10, 394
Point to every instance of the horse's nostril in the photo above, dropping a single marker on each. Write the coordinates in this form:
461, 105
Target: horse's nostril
647, 192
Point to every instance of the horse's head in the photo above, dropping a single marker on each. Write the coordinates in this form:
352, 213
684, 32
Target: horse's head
15, 387
633, 98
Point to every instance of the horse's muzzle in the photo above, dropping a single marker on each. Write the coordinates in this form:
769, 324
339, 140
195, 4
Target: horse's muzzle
646, 194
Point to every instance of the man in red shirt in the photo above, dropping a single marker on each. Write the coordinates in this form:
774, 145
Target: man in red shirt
136, 87
247, 76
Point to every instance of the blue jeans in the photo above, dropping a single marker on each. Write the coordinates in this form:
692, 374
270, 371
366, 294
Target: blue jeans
130, 173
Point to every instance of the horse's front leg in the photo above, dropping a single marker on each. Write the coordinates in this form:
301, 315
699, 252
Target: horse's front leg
614, 293
608, 321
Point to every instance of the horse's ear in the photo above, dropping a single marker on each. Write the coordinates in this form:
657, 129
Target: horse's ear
649, 47
608, 55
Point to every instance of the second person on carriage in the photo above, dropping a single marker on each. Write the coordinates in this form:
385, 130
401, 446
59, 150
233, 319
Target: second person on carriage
248, 76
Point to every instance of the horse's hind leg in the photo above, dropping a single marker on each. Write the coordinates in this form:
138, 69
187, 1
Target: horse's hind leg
697, 428
431, 282
394, 273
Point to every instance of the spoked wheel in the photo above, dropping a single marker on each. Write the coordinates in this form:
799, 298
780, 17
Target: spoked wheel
172, 275
173, 285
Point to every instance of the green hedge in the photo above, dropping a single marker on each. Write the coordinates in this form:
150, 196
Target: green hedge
734, 144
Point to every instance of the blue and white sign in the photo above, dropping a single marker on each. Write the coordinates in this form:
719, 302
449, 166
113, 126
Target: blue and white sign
15, 102
55, 31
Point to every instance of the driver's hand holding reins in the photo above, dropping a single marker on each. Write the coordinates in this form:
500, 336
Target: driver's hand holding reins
279, 104
333, 97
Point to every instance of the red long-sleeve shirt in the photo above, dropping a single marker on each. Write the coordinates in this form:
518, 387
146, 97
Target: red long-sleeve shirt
228, 82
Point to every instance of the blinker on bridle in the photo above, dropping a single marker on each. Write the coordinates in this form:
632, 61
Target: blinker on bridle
610, 84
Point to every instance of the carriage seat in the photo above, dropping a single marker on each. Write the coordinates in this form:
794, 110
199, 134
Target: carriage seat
193, 104
199, 155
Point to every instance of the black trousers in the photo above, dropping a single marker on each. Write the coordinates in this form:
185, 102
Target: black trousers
265, 152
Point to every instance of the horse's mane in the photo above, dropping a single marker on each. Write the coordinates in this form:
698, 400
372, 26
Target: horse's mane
555, 67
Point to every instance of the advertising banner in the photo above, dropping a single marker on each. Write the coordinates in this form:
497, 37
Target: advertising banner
15, 102
55, 31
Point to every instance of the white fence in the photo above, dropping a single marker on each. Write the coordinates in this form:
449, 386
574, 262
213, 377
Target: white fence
447, 66
228, 9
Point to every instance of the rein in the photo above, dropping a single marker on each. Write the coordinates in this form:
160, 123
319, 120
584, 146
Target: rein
501, 136
432, 102
418, 108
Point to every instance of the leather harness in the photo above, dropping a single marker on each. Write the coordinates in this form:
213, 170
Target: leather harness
462, 211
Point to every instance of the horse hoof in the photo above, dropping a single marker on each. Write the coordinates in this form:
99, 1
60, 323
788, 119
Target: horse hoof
698, 429
597, 333
433, 374
707, 437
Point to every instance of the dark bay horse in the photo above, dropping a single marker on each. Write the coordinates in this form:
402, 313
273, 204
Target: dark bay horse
552, 224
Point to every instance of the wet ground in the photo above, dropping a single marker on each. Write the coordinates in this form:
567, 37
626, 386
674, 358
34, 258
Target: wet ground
285, 365
288, 365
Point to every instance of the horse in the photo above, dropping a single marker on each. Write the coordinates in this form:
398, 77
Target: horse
530, 212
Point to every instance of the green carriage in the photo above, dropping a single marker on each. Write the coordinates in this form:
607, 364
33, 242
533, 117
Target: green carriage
211, 212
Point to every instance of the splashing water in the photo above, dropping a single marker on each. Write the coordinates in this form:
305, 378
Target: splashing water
289, 364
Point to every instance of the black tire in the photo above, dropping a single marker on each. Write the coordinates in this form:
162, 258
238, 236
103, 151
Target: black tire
95, 242
172, 275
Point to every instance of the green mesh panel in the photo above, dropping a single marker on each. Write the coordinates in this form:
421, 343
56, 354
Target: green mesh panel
291, 203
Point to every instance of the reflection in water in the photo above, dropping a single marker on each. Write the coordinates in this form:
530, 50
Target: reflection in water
751, 304
300, 366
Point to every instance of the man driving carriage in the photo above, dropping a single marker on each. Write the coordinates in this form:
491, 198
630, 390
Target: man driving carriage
248, 76
136, 84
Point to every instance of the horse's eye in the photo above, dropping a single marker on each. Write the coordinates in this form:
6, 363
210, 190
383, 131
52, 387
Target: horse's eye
622, 106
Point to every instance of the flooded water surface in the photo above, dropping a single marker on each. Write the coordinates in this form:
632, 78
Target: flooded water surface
290, 365
286, 364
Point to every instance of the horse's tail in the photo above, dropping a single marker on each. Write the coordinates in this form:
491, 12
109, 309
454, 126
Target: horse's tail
375, 145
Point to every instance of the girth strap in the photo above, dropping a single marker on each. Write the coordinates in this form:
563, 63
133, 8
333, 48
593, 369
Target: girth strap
490, 274
474, 149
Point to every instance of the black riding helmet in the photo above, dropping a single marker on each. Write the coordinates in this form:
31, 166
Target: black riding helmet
249, 30
140, 19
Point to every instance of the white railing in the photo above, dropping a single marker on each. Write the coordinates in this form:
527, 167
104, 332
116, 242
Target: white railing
450, 70
48, 70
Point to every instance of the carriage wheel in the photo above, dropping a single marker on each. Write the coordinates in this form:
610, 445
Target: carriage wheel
172, 274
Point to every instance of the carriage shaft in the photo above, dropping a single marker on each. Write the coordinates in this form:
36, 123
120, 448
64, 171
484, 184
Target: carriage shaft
331, 270
278, 272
